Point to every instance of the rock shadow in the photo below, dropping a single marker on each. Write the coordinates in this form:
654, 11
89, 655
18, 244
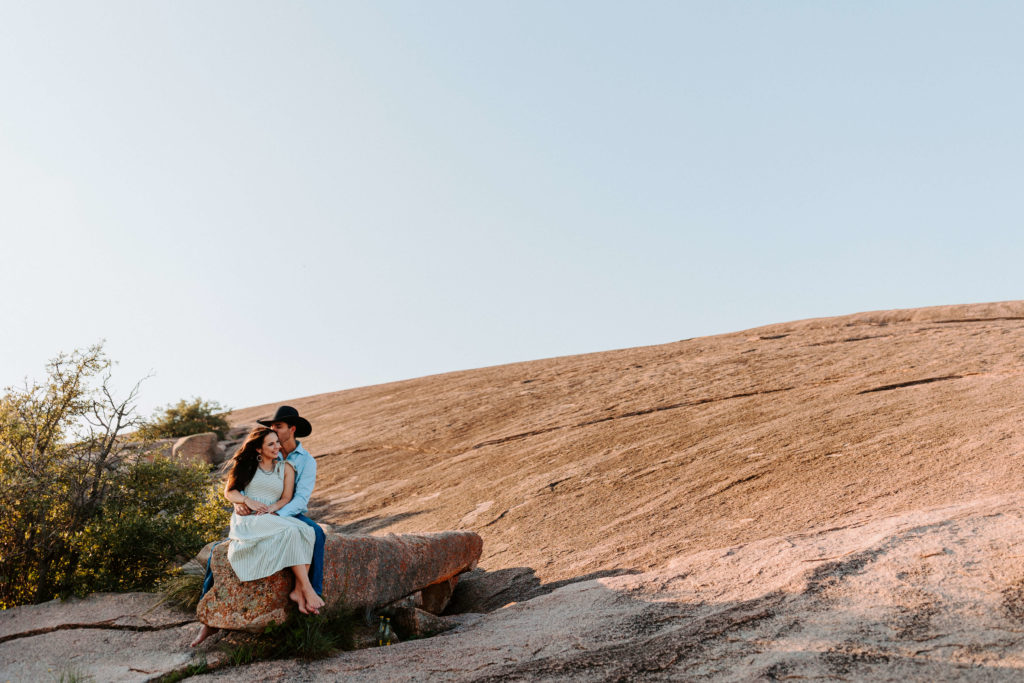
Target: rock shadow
480, 590
632, 632
626, 638
369, 524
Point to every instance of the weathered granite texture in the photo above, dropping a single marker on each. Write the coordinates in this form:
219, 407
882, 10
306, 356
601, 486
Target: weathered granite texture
359, 572
115, 637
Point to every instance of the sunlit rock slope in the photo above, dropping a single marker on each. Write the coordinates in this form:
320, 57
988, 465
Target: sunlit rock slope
626, 460
826, 499
831, 498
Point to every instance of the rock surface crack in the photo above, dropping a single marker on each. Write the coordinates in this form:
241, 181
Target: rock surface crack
900, 385
633, 413
108, 625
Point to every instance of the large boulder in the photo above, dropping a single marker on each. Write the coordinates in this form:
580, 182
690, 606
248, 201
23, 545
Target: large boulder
419, 623
435, 597
360, 572
202, 448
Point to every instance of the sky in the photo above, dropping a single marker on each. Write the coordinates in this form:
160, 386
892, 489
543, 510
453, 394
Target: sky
256, 201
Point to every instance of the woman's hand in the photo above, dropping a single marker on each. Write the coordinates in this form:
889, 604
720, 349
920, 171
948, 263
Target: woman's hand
256, 506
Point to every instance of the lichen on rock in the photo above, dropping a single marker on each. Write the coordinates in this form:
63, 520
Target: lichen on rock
359, 572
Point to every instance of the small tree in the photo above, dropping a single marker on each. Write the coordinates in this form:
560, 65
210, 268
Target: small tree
126, 546
71, 487
184, 418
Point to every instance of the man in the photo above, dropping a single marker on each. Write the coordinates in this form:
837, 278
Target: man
288, 425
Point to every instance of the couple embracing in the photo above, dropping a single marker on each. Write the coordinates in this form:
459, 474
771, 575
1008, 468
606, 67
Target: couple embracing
271, 480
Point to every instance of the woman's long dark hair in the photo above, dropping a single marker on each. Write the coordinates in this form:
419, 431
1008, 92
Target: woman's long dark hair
247, 459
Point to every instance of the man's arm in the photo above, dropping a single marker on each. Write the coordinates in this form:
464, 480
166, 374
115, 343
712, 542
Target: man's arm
304, 484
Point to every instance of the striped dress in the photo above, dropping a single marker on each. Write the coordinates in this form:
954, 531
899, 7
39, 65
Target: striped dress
262, 545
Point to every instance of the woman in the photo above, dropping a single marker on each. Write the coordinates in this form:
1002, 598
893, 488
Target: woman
262, 543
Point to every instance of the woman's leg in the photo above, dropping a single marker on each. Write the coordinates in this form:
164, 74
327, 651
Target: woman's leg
303, 593
204, 633
297, 596
313, 600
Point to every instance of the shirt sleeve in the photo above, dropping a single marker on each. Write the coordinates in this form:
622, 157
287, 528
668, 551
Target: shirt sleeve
304, 484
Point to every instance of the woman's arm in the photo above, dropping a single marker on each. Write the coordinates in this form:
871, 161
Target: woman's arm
289, 489
236, 496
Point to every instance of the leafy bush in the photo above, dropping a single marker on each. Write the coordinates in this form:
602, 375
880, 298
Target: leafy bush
185, 418
79, 511
152, 513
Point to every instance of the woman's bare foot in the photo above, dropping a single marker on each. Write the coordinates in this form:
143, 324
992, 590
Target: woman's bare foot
299, 598
313, 601
204, 633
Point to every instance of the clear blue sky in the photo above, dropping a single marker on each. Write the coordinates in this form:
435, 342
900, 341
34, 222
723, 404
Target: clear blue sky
263, 200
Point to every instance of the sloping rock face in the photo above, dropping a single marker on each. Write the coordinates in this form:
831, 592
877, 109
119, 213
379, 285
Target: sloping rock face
825, 500
619, 465
625, 460
359, 572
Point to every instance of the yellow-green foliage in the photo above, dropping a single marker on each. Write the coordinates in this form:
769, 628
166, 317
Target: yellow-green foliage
185, 418
152, 513
78, 512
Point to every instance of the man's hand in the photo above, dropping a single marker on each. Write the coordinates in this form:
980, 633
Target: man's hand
241, 509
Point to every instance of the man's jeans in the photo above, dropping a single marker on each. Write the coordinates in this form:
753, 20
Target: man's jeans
316, 568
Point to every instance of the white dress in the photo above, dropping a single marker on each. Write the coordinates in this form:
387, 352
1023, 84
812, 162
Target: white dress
262, 545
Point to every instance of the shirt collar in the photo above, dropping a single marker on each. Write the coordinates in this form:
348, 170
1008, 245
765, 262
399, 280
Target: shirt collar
298, 450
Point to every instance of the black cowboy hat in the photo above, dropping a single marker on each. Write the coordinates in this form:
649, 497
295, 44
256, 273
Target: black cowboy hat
290, 416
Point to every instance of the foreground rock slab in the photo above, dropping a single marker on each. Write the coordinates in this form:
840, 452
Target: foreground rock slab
105, 637
359, 572
929, 595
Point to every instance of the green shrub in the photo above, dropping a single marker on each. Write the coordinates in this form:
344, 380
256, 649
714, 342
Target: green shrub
79, 512
153, 514
185, 418
152, 517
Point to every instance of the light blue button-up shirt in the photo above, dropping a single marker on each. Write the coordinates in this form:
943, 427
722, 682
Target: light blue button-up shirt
305, 480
